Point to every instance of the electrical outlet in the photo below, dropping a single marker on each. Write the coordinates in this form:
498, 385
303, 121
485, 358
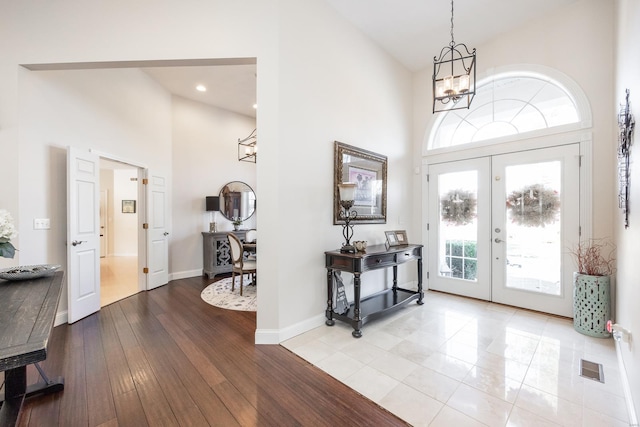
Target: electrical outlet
41, 224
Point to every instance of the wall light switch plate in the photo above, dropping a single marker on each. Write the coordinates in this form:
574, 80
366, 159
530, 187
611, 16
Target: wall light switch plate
41, 224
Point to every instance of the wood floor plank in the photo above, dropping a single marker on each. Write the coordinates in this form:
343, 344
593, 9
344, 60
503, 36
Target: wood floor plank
171, 359
120, 376
209, 372
73, 406
129, 410
99, 395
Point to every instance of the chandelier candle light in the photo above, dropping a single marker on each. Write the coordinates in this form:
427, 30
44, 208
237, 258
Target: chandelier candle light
347, 196
248, 148
454, 76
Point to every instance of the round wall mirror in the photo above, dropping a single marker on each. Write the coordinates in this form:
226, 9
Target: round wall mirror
237, 201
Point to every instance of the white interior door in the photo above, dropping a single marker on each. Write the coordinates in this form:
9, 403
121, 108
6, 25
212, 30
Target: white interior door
157, 232
500, 227
83, 233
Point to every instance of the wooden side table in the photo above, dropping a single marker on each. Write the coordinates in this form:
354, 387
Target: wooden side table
376, 257
27, 313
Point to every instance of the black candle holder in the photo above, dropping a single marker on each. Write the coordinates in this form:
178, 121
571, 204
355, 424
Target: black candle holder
347, 215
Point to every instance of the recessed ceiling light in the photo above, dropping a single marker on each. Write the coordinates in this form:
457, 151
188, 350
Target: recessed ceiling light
201, 88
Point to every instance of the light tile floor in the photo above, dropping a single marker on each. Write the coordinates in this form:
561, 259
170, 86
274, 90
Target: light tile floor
456, 361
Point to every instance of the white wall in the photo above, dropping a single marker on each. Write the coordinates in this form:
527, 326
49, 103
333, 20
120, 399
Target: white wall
125, 225
205, 158
94, 109
319, 80
333, 85
628, 240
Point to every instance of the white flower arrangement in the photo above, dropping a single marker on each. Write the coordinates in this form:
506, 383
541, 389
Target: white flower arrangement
7, 232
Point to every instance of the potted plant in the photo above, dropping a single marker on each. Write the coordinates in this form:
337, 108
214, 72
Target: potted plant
595, 259
7, 232
237, 222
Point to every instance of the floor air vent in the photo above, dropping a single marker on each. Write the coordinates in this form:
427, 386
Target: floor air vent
591, 370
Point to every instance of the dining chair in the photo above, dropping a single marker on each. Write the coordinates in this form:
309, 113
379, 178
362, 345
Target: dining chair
240, 265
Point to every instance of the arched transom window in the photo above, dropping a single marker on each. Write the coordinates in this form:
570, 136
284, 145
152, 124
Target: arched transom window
505, 106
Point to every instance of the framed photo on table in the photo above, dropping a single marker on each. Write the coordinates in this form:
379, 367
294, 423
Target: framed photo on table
401, 237
391, 238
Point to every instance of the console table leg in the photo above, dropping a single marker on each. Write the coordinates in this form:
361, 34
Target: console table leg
357, 321
329, 312
395, 278
420, 291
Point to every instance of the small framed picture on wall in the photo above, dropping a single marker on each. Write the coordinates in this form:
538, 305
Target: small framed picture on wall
128, 206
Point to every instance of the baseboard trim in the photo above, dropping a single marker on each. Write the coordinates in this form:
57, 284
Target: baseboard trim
185, 274
626, 388
276, 336
62, 317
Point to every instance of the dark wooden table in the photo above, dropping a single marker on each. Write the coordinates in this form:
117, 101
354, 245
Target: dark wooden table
27, 313
373, 306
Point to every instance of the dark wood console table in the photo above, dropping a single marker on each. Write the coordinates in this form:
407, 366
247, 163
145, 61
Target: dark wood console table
27, 313
378, 304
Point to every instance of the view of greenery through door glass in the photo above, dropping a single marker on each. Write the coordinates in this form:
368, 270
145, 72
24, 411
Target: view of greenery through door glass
458, 228
533, 234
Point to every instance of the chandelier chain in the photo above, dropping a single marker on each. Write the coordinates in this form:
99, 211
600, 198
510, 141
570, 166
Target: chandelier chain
453, 43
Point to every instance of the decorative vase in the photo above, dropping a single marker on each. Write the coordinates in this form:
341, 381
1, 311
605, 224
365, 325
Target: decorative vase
591, 304
236, 227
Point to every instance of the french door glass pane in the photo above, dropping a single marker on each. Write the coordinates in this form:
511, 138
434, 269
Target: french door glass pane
458, 228
533, 234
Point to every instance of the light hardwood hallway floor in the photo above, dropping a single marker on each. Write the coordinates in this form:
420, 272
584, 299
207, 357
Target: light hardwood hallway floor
118, 278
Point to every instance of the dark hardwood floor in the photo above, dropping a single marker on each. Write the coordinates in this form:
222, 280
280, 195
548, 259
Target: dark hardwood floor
165, 357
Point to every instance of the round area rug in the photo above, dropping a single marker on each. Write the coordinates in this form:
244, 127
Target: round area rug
219, 294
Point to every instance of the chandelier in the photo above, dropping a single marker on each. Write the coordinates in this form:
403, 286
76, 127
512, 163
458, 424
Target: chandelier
247, 148
454, 76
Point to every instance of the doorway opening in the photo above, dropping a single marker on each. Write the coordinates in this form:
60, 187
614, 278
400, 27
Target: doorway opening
119, 240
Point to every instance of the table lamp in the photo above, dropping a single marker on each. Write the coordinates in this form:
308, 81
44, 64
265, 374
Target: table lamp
212, 205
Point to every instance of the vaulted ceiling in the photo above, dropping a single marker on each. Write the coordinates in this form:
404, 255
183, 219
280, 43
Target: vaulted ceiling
412, 31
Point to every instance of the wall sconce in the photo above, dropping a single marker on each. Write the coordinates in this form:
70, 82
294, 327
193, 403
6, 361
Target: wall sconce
248, 148
347, 196
454, 76
212, 205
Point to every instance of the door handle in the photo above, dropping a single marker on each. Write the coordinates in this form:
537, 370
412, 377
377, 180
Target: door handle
77, 242
165, 233
497, 240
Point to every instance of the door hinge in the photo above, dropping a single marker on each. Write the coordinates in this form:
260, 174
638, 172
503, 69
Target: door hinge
427, 227
427, 275
145, 226
145, 270
579, 231
427, 177
580, 161
145, 181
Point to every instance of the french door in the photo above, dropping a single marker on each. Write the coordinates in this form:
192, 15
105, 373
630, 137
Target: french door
500, 227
